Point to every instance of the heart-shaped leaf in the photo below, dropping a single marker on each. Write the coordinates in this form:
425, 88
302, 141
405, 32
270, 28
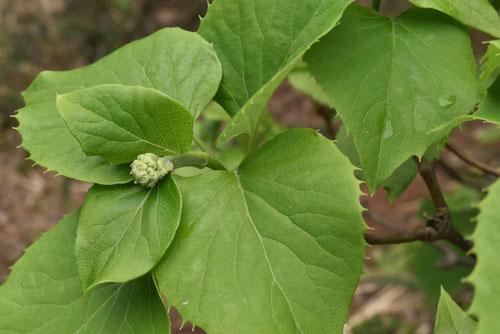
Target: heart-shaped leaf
275, 247
392, 80
124, 230
43, 294
175, 62
119, 122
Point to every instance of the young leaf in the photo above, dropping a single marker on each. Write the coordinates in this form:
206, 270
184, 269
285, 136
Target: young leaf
119, 122
451, 318
275, 247
258, 43
176, 62
485, 275
43, 294
490, 63
124, 231
478, 14
394, 80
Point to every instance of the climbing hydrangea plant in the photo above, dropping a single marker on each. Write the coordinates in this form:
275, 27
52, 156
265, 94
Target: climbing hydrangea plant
274, 243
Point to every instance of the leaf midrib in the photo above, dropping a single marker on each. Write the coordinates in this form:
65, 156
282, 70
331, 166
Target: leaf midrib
250, 218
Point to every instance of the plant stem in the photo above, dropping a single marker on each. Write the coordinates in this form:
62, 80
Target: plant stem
420, 234
202, 145
404, 234
209, 162
442, 216
212, 161
473, 162
376, 5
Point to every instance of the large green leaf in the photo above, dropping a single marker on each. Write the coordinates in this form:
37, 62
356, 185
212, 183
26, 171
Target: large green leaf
119, 122
176, 62
451, 319
43, 294
258, 42
486, 237
394, 80
275, 247
478, 14
124, 230
490, 63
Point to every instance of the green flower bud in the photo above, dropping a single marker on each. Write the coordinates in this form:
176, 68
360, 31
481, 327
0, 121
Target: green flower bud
148, 169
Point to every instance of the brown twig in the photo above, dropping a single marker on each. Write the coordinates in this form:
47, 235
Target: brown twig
420, 234
468, 180
404, 234
442, 216
473, 162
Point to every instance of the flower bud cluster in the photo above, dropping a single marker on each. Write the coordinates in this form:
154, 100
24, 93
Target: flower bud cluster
148, 169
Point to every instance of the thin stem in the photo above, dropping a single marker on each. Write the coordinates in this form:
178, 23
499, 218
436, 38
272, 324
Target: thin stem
468, 180
404, 234
376, 5
212, 161
473, 162
420, 234
442, 217
202, 145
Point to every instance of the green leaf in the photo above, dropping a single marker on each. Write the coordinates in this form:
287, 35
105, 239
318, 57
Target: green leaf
451, 319
275, 247
119, 122
258, 43
402, 177
394, 80
396, 184
484, 277
43, 294
124, 230
489, 108
176, 62
478, 14
490, 63
302, 80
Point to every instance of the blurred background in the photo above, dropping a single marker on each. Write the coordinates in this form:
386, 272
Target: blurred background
400, 291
